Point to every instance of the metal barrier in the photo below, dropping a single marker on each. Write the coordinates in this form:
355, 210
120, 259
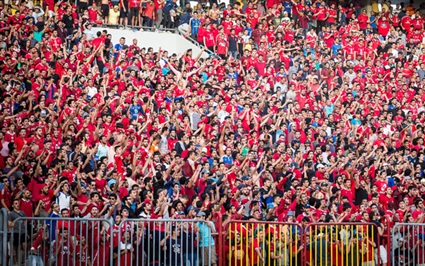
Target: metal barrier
262, 243
408, 244
3, 237
386, 237
69, 241
342, 244
60, 241
168, 242
101, 242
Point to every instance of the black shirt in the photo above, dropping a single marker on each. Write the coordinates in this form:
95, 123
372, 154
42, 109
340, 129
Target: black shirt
361, 194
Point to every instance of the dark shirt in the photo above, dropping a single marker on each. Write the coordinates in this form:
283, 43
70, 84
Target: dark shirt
168, 6
233, 43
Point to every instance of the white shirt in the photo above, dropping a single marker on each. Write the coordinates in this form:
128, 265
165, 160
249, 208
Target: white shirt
102, 150
90, 34
92, 91
63, 200
222, 115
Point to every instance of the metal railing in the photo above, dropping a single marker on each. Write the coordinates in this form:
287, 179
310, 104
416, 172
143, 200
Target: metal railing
408, 244
60, 241
69, 241
262, 243
165, 242
342, 244
77, 242
3, 237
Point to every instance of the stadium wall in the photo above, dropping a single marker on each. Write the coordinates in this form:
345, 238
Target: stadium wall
171, 42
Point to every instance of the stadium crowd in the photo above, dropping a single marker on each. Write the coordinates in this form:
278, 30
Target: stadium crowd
307, 111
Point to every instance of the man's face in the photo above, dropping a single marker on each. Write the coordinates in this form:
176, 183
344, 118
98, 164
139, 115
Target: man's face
94, 211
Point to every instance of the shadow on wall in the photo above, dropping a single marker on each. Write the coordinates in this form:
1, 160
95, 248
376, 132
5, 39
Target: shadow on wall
171, 42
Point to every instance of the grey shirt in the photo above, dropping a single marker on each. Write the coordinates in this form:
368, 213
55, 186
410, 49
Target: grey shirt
292, 70
163, 145
194, 120
421, 73
19, 227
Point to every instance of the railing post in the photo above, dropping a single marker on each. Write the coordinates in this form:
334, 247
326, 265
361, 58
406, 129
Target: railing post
3, 237
220, 254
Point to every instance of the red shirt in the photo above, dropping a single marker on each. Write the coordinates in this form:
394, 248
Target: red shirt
92, 14
227, 26
348, 193
221, 46
6, 196
406, 22
363, 20
322, 14
383, 28
134, 3
209, 38
47, 199
332, 13
26, 207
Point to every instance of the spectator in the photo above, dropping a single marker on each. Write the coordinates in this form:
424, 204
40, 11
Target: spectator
16, 221
6, 197
169, 6
114, 14
310, 110
149, 15
206, 242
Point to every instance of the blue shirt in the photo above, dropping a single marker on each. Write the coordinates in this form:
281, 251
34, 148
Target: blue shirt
335, 48
118, 47
249, 31
135, 110
194, 25
168, 6
184, 19
51, 225
373, 25
287, 7
227, 159
207, 239
329, 109
356, 122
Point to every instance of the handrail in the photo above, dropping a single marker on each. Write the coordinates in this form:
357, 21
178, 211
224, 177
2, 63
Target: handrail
3, 236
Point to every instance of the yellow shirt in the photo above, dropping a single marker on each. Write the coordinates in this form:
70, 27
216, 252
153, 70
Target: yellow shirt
385, 7
375, 7
113, 16
247, 46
